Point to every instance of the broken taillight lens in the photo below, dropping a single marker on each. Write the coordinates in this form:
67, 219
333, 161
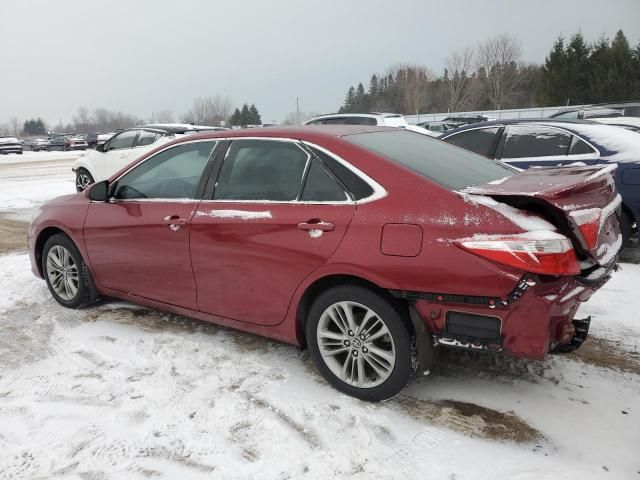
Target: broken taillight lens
544, 252
589, 224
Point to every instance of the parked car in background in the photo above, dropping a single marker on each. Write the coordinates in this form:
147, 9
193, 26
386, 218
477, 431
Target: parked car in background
35, 144
465, 118
66, 141
437, 126
630, 123
92, 139
125, 147
602, 110
548, 142
10, 144
104, 137
380, 119
366, 245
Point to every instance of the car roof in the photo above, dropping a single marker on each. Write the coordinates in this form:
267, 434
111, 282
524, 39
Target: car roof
176, 128
306, 133
365, 115
611, 140
521, 121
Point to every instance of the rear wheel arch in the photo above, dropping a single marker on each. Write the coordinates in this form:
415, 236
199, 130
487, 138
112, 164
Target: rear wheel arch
626, 221
325, 283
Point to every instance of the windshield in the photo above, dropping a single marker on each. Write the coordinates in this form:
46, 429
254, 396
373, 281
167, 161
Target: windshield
450, 166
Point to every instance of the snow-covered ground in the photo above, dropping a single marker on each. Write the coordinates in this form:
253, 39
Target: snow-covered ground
117, 391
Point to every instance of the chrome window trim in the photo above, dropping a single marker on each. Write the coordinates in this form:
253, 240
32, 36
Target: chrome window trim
582, 156
378, 190
159, 199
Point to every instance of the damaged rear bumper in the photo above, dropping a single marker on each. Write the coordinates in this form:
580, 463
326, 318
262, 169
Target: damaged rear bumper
536, 318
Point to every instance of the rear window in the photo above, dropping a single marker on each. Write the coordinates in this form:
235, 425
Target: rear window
452, 167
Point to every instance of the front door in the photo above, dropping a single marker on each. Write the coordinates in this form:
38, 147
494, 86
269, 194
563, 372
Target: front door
138, 242
276, 215
116, 154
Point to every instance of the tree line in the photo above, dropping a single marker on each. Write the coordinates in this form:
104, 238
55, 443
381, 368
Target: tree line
212, 111
492, 76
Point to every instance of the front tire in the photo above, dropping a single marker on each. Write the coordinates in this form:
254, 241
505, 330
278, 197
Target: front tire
66, 274
83, 179
360, 343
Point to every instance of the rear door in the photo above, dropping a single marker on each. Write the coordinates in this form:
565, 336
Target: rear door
482, 141
274, 216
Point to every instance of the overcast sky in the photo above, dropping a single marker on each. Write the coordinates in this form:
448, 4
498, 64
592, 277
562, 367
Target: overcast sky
141, 56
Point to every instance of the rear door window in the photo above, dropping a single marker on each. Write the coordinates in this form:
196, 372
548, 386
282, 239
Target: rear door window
525, 141
482, 141
580, 147
319, 186
261, 170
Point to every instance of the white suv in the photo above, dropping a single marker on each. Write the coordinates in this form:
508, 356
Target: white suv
125, 147
380, 119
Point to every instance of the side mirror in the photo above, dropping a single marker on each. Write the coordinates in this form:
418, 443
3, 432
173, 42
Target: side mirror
100, 147
99, 192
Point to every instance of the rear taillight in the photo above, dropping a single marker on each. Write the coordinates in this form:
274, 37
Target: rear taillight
542, 251
589, 224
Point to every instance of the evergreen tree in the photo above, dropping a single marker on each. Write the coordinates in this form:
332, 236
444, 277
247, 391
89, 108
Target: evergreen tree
245, 115
34, 127
235, 118
350, 100
254, 115
373, 85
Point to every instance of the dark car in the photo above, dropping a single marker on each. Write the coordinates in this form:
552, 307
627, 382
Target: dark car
603, 110
35, 144
366, 245
548, 142
438, 126
464, 119
66, 141
9, 144
92, 139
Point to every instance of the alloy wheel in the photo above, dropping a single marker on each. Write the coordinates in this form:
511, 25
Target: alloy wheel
356, 344
82, 181
62, 272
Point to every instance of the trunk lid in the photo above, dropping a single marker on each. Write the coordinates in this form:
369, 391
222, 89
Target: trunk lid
580, 201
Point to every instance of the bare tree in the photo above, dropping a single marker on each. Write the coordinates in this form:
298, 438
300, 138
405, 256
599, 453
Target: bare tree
208, 110
15, 126
291, 117
162, 116
412, 82
457, 79
499, 57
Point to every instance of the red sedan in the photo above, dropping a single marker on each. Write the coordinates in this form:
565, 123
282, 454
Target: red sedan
367, 245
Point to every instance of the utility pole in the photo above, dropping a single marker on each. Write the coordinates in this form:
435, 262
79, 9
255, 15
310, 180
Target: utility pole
297, 112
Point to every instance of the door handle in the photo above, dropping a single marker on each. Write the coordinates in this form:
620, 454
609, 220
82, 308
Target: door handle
123, 155
174, 222
316, 224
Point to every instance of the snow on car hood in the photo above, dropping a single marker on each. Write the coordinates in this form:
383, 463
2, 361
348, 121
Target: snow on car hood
9, 140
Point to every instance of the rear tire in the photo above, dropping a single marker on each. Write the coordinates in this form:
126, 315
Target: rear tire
83, 179
360, 342
66, 274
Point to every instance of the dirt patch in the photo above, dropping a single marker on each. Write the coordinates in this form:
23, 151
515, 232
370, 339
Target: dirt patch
470, 419
13, 235
608, 354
